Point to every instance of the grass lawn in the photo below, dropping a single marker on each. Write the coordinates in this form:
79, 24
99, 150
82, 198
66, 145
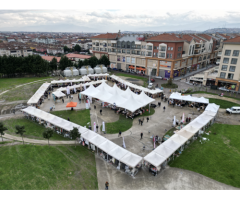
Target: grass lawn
33, 129
22, 93
223, 103
218, 158
81, 117
123, 124
33, 167
9, 83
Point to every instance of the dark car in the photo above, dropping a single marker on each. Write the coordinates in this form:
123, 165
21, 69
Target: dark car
115, 69
120, 70
153, 105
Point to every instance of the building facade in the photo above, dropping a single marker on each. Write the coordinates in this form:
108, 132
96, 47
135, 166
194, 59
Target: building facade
229, 67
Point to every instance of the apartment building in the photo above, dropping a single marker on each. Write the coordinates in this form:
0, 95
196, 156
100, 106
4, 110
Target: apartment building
229, 67
44, 40
55, 50
165, 55
15, 50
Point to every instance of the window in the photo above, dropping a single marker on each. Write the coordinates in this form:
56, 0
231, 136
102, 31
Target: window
225, 60
153, 54
179, 48
109, 44
162, 55
128, 59
168, 55
163, 49
156, 54
93, 48
100, 43
93, 43
128, 51
234, 61
222, 75
169, 48
155, 47
236, 53
190, 49
204, 57
118, 58
227, 52
119, 51
224, 68
123, 51
230, 76
179, 55
133, 60
232, 68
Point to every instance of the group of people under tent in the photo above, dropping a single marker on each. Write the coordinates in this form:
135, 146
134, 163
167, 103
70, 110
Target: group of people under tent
111, 160
57, 85
46, 95
46, 124
136, 91
92, 78
199, 106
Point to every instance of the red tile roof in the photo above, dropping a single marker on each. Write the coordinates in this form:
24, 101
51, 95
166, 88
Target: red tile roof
187, 37
233, 40
49, 58
198, 39
226, 36
107, 36
208, 37
165, 37
72, 55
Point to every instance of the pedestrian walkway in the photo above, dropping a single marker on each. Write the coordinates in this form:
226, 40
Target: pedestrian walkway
217, 97
33, 141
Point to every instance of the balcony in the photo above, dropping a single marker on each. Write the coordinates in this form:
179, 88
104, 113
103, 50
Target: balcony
149, 48
149, 54
219, 54
123, 46
197, 46
162, 49
114, 45
114, 50
97, 44
138, 47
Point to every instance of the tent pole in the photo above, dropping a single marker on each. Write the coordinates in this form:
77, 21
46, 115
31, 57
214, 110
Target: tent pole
149, 108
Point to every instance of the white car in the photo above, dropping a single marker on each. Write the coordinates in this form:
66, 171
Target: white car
150, 85
224, 89
233, 109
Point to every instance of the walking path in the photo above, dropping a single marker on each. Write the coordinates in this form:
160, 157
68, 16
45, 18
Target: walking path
216, 97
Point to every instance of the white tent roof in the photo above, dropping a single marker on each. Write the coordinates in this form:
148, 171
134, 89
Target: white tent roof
98, 140
97, 75
212, 107
197, 123
88, 135
38, 94
59, 94
178, 139
154, 158
131, 159
164, 151
118, 152
90, 91
107, 146
178, 96
185, 133
171, 144
83, 79
210, 113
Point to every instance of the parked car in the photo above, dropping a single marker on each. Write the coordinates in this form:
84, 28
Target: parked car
152, 80
121, 70
150, 85
115, 69
224, 89
233, 109
153, 105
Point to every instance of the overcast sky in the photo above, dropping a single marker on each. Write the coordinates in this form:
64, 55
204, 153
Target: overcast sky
112, 20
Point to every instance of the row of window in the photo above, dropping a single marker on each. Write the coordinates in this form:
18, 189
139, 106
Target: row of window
229, 76
228, 52
231, 69
233, 61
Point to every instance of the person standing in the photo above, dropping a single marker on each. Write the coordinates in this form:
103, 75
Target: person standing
139, 121
106, 185
164, 109
141, 135
189, 119
101, 112
68, 119
159, 104
119, 134
147, 119
95, 107
97, 128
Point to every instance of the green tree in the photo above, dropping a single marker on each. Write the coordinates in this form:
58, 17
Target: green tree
48, 133
66, 49
77, 48
20, 130
2, 128
104, 60
64, 62
80, 63
74, 134
53, 64
93, 61
86, 62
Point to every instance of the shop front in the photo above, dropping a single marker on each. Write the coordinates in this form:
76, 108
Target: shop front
140, 70
131, 68
229, 85
168, 72
194, 67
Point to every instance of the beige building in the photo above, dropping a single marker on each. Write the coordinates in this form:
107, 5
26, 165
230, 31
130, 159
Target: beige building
229, 67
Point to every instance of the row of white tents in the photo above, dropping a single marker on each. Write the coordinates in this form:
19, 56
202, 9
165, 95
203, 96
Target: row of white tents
83, 79
179, 96
160, 155
99, 141
121, 98
39, 93
155, 91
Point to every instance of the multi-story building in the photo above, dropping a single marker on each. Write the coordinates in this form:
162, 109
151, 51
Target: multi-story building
166, 55
229, 67
45, 40
55, 50
15, 50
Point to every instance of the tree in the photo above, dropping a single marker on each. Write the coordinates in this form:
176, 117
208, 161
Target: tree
53, 64
2, 128
93, 61
80, 63
74, 134
104, 60
77, 48
20, 130
170, 81
64, 62
85, 62
66, 49
48, 133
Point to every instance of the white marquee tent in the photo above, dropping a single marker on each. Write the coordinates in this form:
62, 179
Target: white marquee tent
178, 96
59, 94
38, 94
83, 79
212, 107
